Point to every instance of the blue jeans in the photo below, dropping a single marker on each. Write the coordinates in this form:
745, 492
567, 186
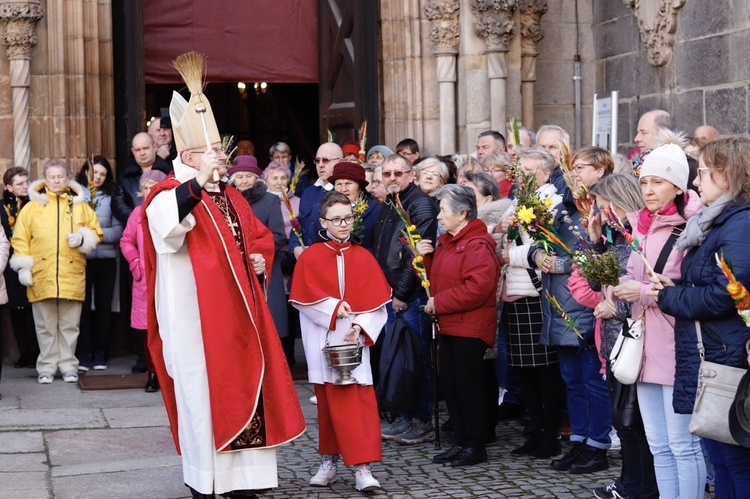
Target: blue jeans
589, 406
732, 467
420, 323
678, 459
506, 377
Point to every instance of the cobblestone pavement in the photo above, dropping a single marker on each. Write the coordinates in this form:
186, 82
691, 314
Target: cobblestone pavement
59, 442
407, 470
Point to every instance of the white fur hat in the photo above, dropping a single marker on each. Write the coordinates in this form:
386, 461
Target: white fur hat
668, 161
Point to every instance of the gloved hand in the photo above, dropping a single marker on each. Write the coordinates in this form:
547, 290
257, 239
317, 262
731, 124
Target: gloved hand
24, 277
136, 269
75, 240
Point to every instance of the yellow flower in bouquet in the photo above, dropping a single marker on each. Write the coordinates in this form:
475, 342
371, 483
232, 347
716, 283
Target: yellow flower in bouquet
526, 215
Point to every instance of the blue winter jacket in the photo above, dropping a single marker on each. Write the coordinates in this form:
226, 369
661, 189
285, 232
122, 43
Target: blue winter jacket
111, 227
554, 330
701, 294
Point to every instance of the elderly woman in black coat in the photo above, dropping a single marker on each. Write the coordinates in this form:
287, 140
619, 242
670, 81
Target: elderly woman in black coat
267, 209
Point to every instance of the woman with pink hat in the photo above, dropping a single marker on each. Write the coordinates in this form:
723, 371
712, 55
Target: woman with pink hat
244, 173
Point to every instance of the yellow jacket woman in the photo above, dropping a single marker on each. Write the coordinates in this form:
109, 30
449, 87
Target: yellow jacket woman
52, 235
40, 241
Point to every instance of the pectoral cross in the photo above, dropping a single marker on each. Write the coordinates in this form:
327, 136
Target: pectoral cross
233, 226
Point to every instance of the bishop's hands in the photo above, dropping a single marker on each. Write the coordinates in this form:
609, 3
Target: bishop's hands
258, 263
210, 161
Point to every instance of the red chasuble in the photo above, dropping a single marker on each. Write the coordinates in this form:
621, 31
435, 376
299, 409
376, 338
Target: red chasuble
365, 287
253, 400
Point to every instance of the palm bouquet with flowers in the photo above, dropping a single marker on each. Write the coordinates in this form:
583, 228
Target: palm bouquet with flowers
614, 222
515, 132
535, 215
88, 167
579, 190
410, 237
358, 210
736, 289
299, 169
601, 268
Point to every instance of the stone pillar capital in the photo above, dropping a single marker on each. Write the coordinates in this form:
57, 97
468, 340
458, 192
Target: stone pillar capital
495, 24
531, 32
657, 23
20, 18
445, 31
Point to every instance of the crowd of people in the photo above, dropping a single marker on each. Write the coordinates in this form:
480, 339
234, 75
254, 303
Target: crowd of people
338, 254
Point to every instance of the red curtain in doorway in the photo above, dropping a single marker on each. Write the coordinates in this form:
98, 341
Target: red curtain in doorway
243, 40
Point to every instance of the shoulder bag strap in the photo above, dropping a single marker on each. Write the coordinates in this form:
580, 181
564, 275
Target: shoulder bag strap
667, 249
701, 349
535, 281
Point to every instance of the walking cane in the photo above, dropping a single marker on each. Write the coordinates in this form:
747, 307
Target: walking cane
434, 352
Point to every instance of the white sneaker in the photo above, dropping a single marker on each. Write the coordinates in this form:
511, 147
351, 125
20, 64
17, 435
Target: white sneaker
45, 378
365, 482
325, 476
70, 377
314, 400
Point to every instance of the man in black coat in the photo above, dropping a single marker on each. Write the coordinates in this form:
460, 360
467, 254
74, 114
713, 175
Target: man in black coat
144, 158
408, 294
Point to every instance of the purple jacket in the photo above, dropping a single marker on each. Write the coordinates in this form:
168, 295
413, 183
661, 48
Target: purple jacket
658, 365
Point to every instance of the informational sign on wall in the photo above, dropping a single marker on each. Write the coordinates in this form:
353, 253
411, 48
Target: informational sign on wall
604, 124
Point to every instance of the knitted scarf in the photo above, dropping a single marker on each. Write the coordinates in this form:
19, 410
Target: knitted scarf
699, 226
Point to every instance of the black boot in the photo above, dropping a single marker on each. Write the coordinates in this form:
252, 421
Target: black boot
152, 385
198, 495
527, 449
22, 362
589, 461
569, 458
549, 446
470, 456
240, 493
449, 455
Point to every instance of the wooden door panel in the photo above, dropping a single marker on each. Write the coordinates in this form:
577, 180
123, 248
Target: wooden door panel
348, 68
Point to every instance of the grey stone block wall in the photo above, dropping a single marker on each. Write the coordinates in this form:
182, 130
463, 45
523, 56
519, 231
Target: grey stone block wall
707, 80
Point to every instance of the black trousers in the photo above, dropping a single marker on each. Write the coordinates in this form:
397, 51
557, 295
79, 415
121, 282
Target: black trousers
542, 390
462, 379
23, 330
638, 475
96, 326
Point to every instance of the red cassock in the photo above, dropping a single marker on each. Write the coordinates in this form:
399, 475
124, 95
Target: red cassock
248, 376
316, 277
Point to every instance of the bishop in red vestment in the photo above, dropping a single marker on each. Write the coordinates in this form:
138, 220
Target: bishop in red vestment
224, 378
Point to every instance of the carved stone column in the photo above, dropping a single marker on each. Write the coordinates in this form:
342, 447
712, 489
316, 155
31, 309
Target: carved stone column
657, 22
496, 26
531, 33
444, 34
20, 18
